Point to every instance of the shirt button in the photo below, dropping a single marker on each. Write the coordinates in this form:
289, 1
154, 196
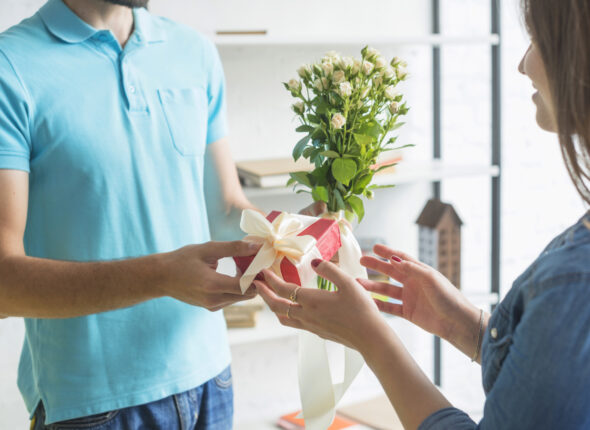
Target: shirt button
494, 332
132, 89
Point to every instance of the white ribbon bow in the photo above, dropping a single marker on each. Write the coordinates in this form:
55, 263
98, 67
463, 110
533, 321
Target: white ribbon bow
279, 239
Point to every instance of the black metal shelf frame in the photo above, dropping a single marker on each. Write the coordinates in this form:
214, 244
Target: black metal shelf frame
496, 146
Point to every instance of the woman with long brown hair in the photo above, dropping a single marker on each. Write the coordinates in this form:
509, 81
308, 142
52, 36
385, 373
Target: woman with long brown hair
535, 347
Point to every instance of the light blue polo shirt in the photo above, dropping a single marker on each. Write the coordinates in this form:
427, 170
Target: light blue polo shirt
114, 141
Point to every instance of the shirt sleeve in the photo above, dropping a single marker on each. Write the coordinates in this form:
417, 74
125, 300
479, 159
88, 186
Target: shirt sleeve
217, 124
543, 381
15, 139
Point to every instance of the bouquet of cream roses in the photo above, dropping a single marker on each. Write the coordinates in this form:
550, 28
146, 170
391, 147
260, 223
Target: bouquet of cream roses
347, 108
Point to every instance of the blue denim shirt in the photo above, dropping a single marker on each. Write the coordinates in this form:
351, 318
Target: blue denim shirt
536, 349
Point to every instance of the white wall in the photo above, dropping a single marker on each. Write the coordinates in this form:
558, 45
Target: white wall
538, 200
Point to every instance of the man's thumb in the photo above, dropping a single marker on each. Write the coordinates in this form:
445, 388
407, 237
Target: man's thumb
237, 248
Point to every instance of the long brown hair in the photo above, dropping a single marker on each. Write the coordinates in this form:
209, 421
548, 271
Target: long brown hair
561, 31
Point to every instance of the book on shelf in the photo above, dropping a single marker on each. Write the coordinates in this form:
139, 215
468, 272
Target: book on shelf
275, 172
291, 422
243, 314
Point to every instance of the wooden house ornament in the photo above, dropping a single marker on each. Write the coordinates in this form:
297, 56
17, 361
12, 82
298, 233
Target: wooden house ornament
440, 239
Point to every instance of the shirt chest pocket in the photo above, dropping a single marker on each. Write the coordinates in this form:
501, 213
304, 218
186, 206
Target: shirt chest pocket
497, 342
186, 115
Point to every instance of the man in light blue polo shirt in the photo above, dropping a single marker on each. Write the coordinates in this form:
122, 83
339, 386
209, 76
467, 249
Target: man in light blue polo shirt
112, 160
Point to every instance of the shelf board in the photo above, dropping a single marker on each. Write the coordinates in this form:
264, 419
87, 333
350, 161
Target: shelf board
407, 172
428, 40
267, 327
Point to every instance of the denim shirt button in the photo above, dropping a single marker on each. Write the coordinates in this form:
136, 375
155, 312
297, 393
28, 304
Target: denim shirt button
494, 333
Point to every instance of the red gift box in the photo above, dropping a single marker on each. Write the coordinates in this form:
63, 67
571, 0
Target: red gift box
325, 231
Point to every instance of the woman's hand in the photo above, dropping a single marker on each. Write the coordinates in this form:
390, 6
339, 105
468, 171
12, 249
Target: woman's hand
428, 299
348, 315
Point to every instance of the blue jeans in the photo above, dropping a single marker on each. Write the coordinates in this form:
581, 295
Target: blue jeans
207, 407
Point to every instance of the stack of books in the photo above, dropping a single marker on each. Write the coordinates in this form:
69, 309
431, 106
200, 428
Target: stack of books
243, 314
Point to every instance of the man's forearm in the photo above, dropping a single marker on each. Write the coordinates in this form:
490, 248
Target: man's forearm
39, 288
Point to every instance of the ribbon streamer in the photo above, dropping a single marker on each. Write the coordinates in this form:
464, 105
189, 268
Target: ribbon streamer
319, 393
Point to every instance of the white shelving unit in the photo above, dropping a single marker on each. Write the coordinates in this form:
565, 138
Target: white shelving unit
406, 172
280, 40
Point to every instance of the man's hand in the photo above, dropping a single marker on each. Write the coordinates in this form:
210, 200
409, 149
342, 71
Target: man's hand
193, 277
314, 209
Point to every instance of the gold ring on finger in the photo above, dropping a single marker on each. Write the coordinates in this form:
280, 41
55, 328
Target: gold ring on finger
293, 296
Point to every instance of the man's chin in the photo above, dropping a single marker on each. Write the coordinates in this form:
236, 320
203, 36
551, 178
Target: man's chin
129, 3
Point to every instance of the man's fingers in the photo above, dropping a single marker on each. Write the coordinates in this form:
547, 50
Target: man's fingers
315, 209
237, 248
383, 288
219, 283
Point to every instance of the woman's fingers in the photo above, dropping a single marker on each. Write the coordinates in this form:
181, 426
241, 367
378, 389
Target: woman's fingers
390, 308
286, 290
332, 273
393, 269
383, 288
282, 307
387, 252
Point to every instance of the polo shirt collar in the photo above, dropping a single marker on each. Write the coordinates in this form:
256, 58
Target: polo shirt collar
63, 23
147, 27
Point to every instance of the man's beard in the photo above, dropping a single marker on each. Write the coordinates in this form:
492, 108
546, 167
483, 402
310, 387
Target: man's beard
129, 3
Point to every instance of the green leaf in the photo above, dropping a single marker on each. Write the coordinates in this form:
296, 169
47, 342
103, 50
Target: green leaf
363, 139
362, 183
372, 128
357, 206
305, 128
322, 105
409, 145
340, 206
380, 187
301, 177
385, 166
313, 118
318, 132
320, 194
314, 156
290, 182
298, 150
330, 154
308, 151
396, 126
320, 175
343, 170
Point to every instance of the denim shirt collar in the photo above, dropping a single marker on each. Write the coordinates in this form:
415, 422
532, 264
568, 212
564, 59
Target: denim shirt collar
64, 24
